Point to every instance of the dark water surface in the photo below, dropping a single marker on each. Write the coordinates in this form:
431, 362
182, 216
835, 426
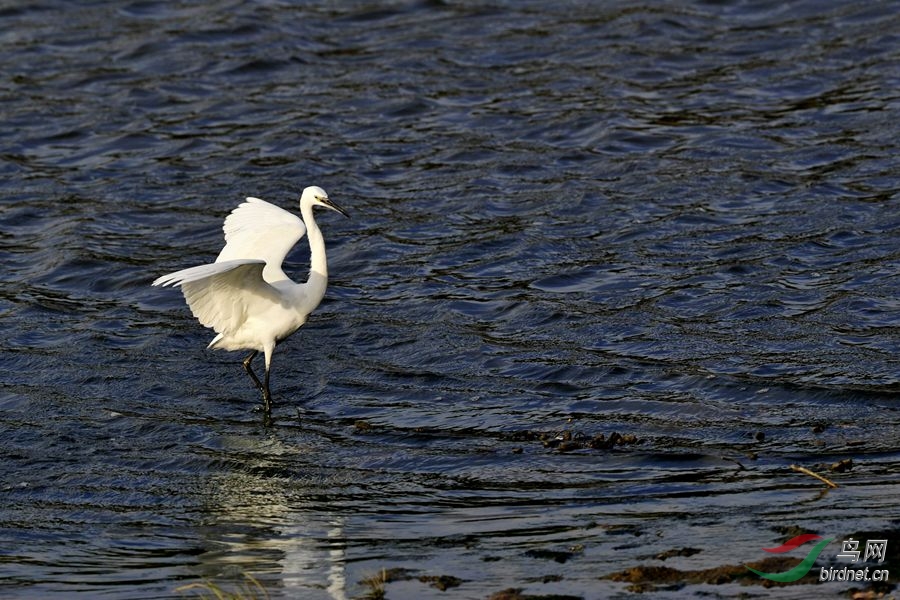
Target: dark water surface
677, 221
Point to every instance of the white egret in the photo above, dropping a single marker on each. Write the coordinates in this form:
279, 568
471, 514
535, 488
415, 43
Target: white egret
245, 296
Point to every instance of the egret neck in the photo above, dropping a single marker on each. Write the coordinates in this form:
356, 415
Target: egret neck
318, 269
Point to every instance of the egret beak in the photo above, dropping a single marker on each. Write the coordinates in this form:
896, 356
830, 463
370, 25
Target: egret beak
327, 202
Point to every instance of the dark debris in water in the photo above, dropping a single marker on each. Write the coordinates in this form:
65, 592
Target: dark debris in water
363, 426
677, 552
559, 556
551, 578
568, 441
562, 441
652, 577
842, 466
440, 582
516, 594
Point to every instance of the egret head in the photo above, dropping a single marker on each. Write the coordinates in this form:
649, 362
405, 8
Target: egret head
316, 196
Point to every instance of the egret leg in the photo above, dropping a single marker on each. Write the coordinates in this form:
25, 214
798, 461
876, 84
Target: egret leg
250, 372
267, 395
263, 387
268, 349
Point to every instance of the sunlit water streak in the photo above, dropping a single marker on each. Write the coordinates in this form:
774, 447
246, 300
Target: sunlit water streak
674, 221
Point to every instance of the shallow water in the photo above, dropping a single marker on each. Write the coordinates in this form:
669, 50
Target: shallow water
677, 221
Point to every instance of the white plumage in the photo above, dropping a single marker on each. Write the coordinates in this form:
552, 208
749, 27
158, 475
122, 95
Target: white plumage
244, 295
257, 229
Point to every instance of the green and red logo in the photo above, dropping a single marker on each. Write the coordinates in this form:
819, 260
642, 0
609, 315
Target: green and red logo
801, 569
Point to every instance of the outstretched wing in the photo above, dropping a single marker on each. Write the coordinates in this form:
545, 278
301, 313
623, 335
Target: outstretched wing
221, 294
259, 230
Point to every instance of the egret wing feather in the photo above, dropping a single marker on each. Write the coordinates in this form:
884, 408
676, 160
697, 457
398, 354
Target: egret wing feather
259, 230
221, 294
202, 272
